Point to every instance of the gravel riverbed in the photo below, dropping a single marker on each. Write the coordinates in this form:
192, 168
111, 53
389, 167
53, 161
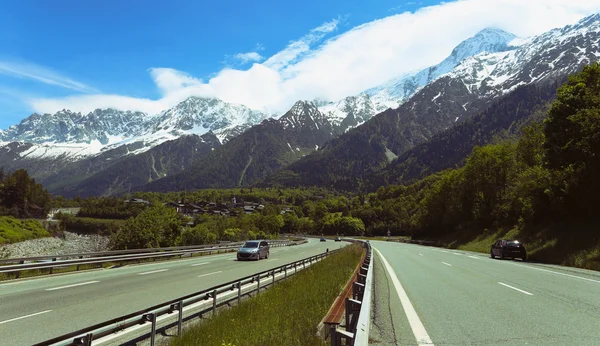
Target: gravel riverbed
72, 243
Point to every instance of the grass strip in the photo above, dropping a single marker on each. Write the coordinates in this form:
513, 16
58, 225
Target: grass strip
286, 314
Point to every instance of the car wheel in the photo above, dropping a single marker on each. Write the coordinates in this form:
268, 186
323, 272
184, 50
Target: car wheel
524, 258
267, 255
501, 254
492, 254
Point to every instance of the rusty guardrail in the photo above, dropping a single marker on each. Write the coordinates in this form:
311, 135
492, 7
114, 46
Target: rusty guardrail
353, 305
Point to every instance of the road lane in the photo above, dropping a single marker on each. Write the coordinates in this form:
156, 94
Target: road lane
120, 291
474, 301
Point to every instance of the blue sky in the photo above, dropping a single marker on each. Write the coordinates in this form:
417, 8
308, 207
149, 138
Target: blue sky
150, 54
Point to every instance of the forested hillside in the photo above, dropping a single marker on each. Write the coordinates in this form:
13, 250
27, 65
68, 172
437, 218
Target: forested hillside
449, 149
543, 188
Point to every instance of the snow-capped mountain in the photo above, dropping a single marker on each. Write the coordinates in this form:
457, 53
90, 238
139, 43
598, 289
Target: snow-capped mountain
199, 115
395, 92
468, 90
104, 126
554, 53
349, 112
75, 136
353, 111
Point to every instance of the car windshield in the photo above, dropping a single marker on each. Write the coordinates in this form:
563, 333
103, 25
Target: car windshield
251, 244
512, 243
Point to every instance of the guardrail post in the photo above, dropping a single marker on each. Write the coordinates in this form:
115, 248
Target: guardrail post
214, 294
180, 317
285, 271
348, 314
152, 318
258, 284
239, 287
85, 340
273, 273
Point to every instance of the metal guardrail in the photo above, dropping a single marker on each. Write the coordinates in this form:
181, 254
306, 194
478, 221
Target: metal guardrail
358, 308
119, 252
203, 302
120, 256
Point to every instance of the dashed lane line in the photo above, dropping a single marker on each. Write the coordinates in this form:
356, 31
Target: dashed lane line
69, 286
516, 289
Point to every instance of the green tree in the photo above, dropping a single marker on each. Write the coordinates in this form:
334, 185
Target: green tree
157, 226
197, 235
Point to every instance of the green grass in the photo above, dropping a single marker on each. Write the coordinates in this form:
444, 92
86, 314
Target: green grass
286, 314
15, 230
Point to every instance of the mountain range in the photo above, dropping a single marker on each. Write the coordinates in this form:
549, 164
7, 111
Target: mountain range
360, 141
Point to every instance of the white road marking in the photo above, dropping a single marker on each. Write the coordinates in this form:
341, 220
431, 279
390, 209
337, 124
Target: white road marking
154, 271
200, 264
302, 253
456, 253
420, 254
220, 271
413, 319
22, 317
516, 289
475, 257
69, 286
448, 264
272, 259
558, 273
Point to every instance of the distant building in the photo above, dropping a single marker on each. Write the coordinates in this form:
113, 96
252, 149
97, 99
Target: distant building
137, 201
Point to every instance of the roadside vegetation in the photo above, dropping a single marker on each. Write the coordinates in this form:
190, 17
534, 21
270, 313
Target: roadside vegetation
13, 230
21, 199
286, 314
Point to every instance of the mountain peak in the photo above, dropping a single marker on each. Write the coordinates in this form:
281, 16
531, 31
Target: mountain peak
488, 40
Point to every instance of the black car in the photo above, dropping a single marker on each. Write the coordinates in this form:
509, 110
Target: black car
504, 248
323, 239
338, 239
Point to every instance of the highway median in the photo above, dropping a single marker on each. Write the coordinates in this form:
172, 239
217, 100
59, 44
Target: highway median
286, 314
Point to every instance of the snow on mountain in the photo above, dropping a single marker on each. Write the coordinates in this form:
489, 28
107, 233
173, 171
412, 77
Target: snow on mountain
557, 52
395, 92
75, 136
349, 112
304, 114
352, 111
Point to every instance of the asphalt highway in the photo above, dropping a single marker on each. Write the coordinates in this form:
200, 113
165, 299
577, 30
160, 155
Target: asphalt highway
431, 296
38, 309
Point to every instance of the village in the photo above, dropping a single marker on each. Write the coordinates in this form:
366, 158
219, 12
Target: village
234, 208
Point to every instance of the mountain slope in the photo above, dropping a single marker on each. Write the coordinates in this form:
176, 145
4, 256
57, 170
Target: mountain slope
467, 90
99, 176
254, 154
451, 147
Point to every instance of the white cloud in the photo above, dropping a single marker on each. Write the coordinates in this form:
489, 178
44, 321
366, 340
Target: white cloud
244, 58
360, 58
42, 74
299, 47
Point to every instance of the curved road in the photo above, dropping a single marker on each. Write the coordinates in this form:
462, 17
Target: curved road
431, 296
38, 309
